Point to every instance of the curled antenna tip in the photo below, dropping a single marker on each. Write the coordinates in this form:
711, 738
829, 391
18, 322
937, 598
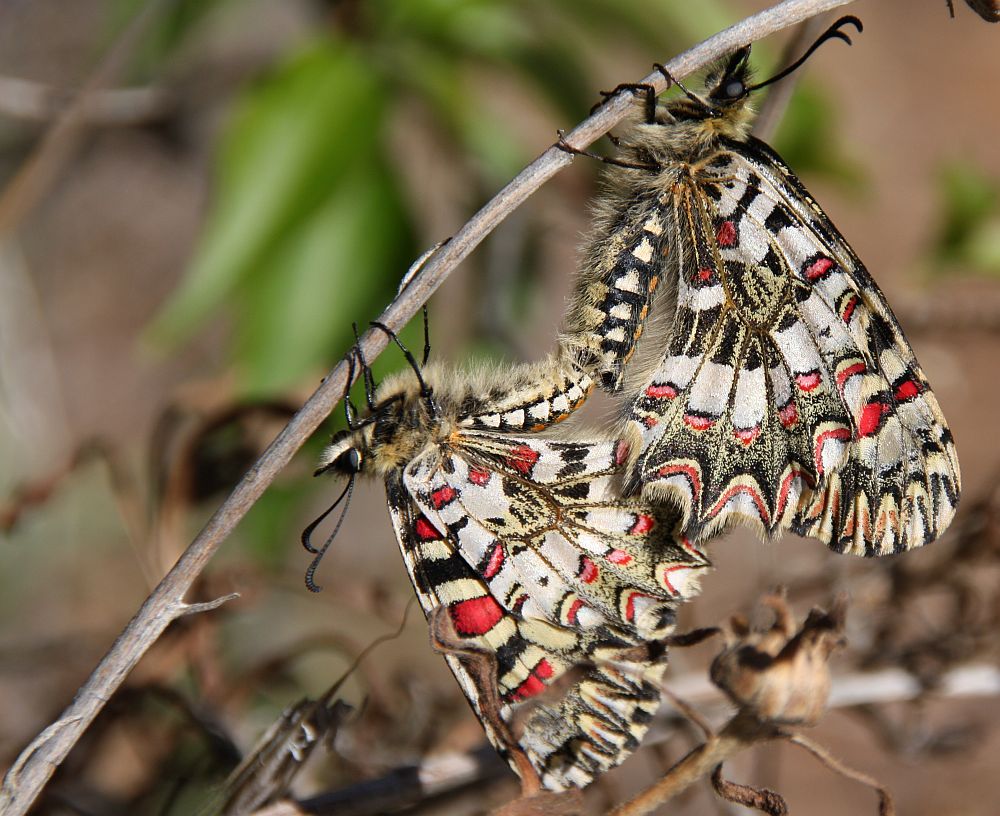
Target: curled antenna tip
311, 584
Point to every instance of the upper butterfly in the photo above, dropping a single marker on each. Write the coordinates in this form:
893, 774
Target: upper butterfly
786, 395
549, 594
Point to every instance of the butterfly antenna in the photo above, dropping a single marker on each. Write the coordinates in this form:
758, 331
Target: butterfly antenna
345, 496
425, 392
308, 531
832, 33
365, 370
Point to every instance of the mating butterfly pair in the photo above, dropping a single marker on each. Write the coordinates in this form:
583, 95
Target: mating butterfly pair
786, 397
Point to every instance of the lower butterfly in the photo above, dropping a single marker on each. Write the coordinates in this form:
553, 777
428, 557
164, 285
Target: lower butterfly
549, 594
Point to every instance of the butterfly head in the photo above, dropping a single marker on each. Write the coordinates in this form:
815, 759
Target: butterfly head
724, 98
401, 421
403, 418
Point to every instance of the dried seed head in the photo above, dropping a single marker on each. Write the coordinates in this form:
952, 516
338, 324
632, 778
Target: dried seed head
780, 675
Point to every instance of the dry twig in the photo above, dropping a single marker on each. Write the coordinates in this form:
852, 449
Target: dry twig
26, 778
775, 677
36, 175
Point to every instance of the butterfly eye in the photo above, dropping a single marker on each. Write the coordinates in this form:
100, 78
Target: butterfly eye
734, 89
352, 460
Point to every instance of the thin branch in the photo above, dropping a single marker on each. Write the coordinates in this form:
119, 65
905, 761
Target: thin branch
742, 731
36, 175
981, 680
886, 807
113, 107
33, 768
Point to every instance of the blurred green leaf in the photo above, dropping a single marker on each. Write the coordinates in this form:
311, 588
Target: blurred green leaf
167, 31
296, 312
288, 150
807, 139
656, 25
968, 235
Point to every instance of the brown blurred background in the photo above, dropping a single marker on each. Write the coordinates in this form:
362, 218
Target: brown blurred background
180, 262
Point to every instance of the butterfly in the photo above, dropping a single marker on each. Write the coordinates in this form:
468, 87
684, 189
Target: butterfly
550, 595
786, 394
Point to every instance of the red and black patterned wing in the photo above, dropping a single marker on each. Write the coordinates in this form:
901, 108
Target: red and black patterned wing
788, 395
545, 524
900, 484
483, 540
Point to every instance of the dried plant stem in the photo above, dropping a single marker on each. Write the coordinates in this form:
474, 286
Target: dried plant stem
886, 806
740, 733
28, 775
37, 174
110, 107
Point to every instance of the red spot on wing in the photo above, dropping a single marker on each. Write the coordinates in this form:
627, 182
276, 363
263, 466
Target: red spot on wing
753, 494
479, 476
495, 561
619, 557
475, 616
786, 486
788, 415
726, 234
747, 435
661, 391
643, 524
906, 390
849, 307
836, 433
534, 683
850, 371
443, 496
522, 599
871, 417
425, 530
523, 458
529, 688
571, 613
630, 604
622, 449
808, 381
698, 423
630, 607
650, 421
705, 274
685, 470
588, 570
818, 268
666, 577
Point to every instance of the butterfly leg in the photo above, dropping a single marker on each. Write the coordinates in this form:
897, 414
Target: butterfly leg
636, 89
566, 147
481, 667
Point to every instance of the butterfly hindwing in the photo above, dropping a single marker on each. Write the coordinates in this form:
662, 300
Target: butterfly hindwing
787, 395
523, 543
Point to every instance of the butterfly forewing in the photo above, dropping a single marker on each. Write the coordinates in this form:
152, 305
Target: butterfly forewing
788, 395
